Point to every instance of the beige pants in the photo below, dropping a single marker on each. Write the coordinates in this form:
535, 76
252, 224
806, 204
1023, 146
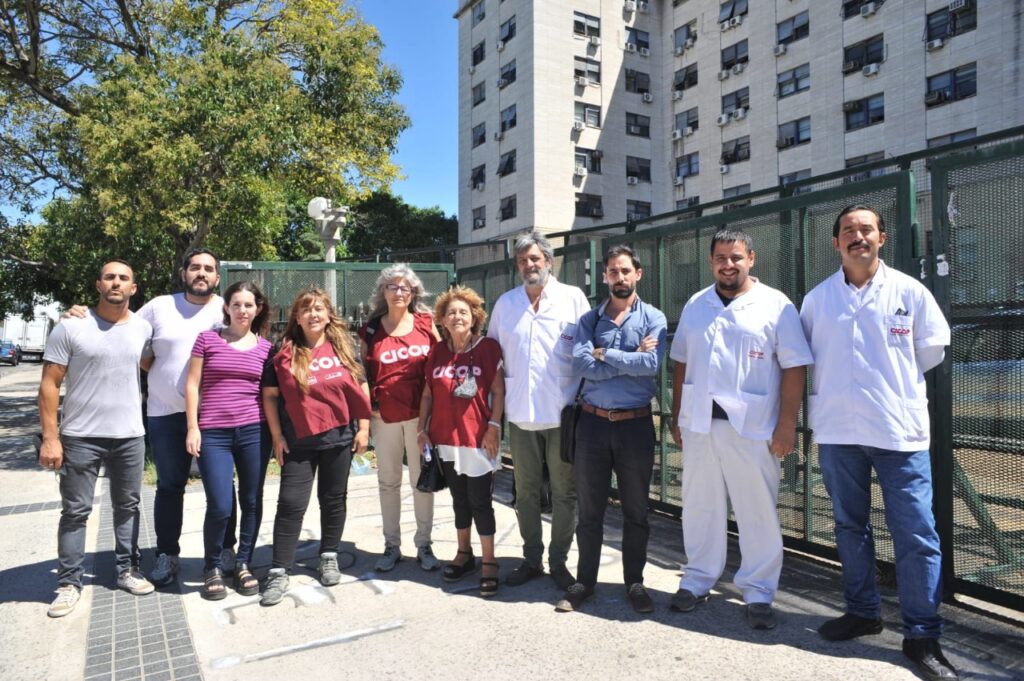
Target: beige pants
390, 441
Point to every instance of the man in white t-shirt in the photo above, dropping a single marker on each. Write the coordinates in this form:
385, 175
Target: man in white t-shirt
874, 332
740, 357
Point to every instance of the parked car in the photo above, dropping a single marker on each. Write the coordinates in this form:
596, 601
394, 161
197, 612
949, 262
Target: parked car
10, 353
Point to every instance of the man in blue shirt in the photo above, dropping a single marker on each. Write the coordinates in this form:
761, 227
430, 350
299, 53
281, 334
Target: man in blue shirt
617, 349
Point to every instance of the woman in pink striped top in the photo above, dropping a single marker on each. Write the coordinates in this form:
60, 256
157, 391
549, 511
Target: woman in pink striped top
227, 430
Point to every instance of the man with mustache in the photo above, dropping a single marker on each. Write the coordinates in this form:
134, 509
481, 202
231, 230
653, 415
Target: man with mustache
874, 332
617, 349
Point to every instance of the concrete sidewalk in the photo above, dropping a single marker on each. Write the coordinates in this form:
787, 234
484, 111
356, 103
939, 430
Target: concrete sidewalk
408, 624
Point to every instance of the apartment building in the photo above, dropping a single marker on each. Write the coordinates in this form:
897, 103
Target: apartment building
587, 112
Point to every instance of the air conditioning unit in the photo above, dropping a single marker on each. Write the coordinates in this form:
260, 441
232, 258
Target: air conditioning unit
633, 217
868, 9
630, 47
933, 45
580, 171
957, 6
736, 21
677, 134
679, 50
629, 6
595, 40
648, 97
723, 169
581, 81
870, 70
632, 180
478, 223
851, 66
851, 106
502, 83
738, 67
679, 180
724, 118
740, 113
596, 213
725, 26
677, 95
500, 46
479, 186
933, 98
642, 5
498, 136
780, 49
785, 142
723, 74
690, 42
578, 125
645, 52
688, 130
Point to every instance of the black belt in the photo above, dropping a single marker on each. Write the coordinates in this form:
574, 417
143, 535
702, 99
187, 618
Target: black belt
617, 414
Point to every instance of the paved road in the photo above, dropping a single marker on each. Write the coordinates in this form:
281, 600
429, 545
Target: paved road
407, 624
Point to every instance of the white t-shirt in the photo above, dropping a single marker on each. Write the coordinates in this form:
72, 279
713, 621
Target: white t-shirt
868, 384
176, 325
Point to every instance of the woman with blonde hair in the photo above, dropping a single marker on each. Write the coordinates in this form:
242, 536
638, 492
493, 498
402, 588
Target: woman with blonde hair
460, 418
318, 410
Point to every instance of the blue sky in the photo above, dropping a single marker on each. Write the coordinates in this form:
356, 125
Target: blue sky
421, 41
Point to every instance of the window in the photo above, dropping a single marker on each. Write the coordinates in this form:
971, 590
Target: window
686, 119
507, 31
589, 206
589, 114
508, 118
507, 209
731, 8
478, 53
794, 132
507, 163
479, 176
642, 39
870, 51
735, 54
943, 140
479, 217
637, 81
943, 24
689, 202
479, 134
793, 29
479, 93
589, 159
864, 112
684, 33
736, 150
790, 178
638, 125
685, 78
688, 165
478, 12
740, 99
638, 210
587, 68
794, 81
585, 25
851, 8
730, 192
861, 160
640, 168
952, 85
507, 75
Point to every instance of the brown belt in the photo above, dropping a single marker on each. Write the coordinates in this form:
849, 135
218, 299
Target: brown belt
617, 414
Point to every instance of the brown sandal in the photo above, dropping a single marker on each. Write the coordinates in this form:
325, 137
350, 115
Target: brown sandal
214, 588
245, 582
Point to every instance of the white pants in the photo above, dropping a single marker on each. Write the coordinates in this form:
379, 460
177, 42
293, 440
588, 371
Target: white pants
715, 465
390, 441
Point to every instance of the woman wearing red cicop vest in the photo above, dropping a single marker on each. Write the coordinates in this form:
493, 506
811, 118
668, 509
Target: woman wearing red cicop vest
463, 401
395, 344
318, 411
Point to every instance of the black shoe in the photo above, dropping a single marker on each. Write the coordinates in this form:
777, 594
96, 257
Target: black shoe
563, 578
524, 573
453, 572
574, 597
849, 626
927, 655
684, 600
639, 598
760, 616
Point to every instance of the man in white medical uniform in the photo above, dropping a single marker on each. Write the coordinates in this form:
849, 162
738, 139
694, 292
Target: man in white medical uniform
874, 331
739, 373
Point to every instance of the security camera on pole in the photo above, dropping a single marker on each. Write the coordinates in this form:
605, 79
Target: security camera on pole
329, 221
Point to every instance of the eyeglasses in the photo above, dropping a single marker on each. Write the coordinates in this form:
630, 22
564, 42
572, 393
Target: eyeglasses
396, 288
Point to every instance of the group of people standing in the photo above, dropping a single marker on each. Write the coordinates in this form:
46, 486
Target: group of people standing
435, 384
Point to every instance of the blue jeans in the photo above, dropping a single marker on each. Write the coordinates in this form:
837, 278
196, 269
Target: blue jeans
124, 459
173, 463
223, 451
906, 482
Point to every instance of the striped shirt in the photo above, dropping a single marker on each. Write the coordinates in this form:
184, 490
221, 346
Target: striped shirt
229, 393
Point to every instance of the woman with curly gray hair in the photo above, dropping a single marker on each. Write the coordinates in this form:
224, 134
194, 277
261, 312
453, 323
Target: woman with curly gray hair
395, 342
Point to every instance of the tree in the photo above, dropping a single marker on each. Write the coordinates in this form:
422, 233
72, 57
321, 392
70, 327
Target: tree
383, 222
154, 126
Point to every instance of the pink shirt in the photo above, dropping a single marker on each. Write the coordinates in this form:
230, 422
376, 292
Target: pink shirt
229, 393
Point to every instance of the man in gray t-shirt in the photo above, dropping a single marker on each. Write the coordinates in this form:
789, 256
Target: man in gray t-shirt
99, 357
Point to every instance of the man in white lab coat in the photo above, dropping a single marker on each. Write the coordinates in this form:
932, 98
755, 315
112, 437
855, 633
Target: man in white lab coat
874, 332
738, 380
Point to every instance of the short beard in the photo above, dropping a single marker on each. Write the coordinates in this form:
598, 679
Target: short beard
189, 289
623, 293
542, 278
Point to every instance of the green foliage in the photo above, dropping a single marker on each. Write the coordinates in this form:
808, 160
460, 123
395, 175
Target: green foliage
383, 223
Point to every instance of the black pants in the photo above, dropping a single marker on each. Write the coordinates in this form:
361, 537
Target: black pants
471, 499
300, 467
627, 449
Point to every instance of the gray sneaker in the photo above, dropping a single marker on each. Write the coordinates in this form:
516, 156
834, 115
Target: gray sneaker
277, 586
164, 570
328, 570
426, 558
685, 600
388, 561
66, 600
134, 583
760, 616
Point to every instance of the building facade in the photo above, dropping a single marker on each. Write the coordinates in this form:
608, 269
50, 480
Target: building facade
588, 112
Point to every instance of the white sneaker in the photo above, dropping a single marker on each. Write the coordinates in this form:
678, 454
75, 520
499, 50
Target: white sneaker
164, 570
389, 560
134, 583
65, 602
426, 558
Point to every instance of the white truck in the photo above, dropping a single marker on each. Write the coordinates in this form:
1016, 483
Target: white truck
31, 335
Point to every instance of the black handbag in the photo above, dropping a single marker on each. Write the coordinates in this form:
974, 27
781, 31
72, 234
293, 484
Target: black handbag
570, 415
431, 472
